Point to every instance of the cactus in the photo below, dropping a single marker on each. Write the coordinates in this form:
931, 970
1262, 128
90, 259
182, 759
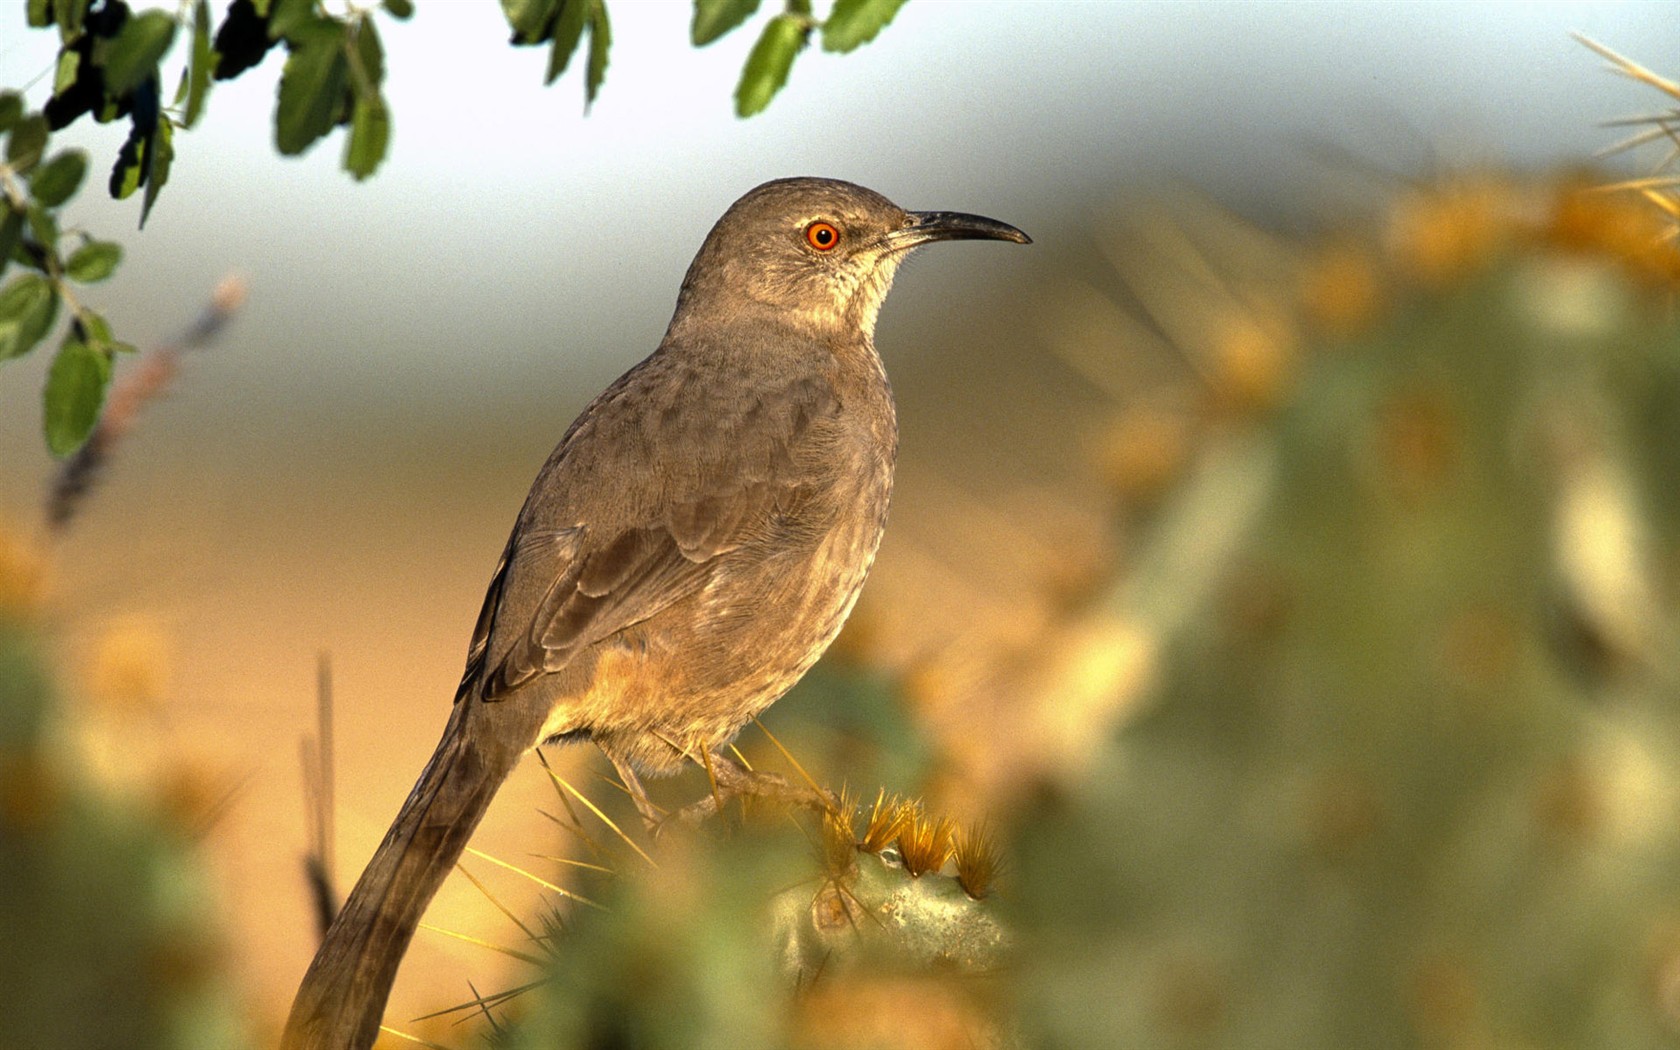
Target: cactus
105, 935
1407, 772
748, 937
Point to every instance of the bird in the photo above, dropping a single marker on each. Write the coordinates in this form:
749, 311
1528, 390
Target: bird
688, 550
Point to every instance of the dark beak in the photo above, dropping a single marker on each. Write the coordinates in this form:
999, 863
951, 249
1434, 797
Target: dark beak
929, 226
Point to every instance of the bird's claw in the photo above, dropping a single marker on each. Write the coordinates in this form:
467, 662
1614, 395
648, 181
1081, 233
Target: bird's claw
731, 781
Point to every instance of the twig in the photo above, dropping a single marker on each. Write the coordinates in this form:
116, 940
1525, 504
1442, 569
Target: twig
139, 387
318, 776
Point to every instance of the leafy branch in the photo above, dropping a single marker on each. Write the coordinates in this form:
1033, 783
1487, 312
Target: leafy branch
850, 25
110, 67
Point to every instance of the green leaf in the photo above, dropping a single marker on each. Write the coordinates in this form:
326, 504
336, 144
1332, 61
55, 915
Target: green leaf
93, 261
39, 15
568, 30
767, 67
370, 59
370, 134
93, 329
68, 69
69, 14
713, 18
11, 109
159, 158
44, 226
134, 54
28, 139
58, 179
130, 169
600, 41
370, 119
311, 88
201, 66
11, 235
401, 10
96, 332
530, 19
27, 307
853, 23
75, 391
293, 20
146, 155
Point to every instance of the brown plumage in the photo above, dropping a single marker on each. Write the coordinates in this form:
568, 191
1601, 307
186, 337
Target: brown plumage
690, 548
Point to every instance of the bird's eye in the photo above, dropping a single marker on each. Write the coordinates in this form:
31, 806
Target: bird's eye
822, 236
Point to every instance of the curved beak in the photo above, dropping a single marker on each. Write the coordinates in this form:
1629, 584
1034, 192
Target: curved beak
926, 226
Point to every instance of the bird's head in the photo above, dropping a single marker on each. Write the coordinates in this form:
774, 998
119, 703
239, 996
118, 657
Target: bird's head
817, 252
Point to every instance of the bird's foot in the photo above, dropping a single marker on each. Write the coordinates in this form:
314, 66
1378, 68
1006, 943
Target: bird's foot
730, 780
651, 816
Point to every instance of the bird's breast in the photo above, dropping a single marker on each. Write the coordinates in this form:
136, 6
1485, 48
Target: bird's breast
779, 499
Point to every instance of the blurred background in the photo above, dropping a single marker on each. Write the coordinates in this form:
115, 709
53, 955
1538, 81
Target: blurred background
1327, 406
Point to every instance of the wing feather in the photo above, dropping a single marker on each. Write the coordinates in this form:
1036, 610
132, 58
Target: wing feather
610, 537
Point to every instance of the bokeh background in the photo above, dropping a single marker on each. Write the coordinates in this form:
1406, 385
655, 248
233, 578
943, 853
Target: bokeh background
337, 473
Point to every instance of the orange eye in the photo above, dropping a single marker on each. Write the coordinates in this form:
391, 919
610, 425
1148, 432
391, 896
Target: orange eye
822, 236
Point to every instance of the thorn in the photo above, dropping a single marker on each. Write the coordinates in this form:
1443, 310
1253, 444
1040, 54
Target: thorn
492, 899
812, 784
511, 952
388, 1030
608, 821
539, 880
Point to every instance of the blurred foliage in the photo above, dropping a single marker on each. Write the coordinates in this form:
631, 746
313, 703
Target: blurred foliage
1408, 776
847, 721
107, 938
111, 64
680, 957
850, 24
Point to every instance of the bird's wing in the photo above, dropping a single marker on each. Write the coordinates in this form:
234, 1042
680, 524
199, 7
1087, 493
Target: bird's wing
479, 647
614, 561
533, 549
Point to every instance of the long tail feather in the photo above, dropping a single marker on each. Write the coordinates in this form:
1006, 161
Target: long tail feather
342, 998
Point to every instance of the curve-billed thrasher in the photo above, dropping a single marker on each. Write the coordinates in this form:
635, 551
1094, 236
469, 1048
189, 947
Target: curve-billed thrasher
689, 549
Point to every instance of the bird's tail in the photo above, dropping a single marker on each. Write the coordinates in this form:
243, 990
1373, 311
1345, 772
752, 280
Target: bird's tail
342, 998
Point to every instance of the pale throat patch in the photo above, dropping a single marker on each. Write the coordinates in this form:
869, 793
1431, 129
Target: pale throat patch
858, 295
